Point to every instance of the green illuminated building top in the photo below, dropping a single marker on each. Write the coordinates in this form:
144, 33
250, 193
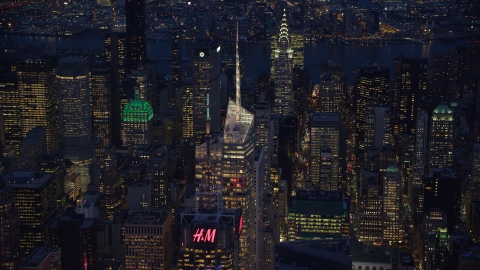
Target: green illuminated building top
137, 111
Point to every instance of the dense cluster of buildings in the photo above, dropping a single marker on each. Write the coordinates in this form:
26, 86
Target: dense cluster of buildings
106, 165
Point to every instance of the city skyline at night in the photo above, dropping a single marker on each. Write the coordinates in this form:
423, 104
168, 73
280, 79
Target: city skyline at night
240, 135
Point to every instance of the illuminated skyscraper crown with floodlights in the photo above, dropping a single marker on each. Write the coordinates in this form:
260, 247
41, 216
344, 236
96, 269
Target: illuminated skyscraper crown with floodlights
137, 122
283, 72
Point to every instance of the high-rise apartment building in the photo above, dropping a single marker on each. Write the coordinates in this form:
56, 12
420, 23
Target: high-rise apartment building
101, 101
206, 79
370, 208
187, 109
332, 94
110, 184
75, 116
9, 234
136, 33
283, 62
445, 76
159, 163
372, 82
116, 53
176, 61
326, 144
38, 99
415, 191
263, 131
441, 137
410, 87
137, 119
10, 107
35, 198
148, 240
392, 218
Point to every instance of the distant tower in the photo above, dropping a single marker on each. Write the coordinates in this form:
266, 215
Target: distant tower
371, 82
332, 96
441, 138
75, 115
187, 109
410, 88
325, 150
296, 43
283, 73
136, 33
137, 122
392, 223
38, 99
101, 92
206, 78
115, 53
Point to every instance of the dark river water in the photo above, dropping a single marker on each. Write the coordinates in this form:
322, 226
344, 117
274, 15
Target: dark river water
257, 57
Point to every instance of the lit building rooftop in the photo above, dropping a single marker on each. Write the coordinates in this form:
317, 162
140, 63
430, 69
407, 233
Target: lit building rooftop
325, 117
27, 179
236, 131
392, 168
147, 217
38, 256
137, 110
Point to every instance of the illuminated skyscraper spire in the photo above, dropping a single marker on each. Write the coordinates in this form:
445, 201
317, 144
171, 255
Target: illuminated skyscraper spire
237, 81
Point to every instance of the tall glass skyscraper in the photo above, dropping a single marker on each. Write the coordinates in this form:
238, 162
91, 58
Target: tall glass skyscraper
38, 99
75, 115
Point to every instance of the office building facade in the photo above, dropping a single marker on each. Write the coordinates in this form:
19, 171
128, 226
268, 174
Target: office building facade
75, 116
38, 99
148, 240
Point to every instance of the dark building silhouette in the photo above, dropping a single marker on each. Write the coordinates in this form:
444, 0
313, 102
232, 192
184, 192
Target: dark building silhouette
410, 88
77, 237
9, 234
442, 189
136, 33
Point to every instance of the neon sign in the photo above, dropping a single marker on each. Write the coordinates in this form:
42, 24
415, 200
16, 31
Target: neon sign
240, 226
200, 237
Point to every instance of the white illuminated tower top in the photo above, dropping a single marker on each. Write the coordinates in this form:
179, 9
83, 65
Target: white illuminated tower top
238, 95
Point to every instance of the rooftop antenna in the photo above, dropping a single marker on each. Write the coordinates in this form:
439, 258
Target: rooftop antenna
237, 81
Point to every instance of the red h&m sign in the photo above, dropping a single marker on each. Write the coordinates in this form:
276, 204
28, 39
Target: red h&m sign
200, 237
